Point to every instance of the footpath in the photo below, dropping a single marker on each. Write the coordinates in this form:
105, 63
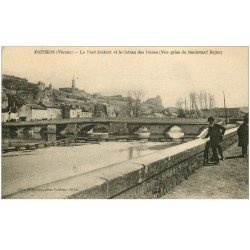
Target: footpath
228, 180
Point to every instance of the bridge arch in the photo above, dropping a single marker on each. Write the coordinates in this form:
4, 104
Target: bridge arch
84, 128
43, 130
27, 130
175, 130
137, 127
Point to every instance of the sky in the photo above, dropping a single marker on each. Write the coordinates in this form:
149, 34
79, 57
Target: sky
170, 72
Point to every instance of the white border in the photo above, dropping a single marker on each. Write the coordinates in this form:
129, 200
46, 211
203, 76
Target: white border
123, 224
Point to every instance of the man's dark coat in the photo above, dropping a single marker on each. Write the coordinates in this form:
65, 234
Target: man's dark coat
243, 135
215, 133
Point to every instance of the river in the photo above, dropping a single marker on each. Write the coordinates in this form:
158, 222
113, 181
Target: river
26, 169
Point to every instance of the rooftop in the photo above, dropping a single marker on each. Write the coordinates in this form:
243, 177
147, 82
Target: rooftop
35, 106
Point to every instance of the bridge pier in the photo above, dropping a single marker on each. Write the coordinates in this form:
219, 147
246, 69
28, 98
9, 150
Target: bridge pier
37, 129
51, 129
71, 129
118, 129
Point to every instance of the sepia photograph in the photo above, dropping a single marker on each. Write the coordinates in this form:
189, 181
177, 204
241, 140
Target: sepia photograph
124, 125
125, 122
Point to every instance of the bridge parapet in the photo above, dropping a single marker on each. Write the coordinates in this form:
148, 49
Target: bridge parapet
107, 120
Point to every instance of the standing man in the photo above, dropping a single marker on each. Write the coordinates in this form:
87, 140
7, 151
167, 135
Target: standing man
243, 136
215, 133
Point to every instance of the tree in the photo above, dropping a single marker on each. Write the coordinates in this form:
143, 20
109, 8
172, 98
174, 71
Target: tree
134, 101
192, 99
205, 100
179, 103
211, 101
129, 101
138, 96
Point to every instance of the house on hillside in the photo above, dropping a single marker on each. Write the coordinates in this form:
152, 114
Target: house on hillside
110, 111
71, 112
53, 111
31, 112
41, 85
104, 109
9, 115
5, 116
13, 117
159, 115
86, 113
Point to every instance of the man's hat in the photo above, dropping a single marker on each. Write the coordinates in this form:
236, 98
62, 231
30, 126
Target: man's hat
210, 119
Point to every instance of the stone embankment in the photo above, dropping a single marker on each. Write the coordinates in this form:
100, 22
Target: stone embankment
150, 176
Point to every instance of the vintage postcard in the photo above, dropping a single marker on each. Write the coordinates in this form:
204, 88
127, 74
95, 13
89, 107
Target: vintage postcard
125, 122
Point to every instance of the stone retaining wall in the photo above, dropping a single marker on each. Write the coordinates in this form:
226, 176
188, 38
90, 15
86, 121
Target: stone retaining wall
150, 176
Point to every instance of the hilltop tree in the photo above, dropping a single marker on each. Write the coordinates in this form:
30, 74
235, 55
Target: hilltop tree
197, 102
179, 103
134, 103
211, 101
129, 101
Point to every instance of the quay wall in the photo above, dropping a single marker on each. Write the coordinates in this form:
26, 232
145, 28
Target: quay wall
150, 176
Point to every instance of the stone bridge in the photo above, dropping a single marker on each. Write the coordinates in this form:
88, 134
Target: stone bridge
114, 126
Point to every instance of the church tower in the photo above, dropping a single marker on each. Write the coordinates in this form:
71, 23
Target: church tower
73, 83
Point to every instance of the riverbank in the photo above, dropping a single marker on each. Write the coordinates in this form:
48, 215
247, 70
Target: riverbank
31, 168
228, 180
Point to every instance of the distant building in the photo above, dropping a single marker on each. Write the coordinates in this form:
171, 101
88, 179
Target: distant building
13, 117
73, 83
86, 113
110, 111
229, 112
104, 109
53, 111
99, 114
155, 101
174, 115
67, 89
159, 115
41, 86
221, 112
5, 116
71, 112
31, 112
8, 116
73, 88
75, 91
205, 113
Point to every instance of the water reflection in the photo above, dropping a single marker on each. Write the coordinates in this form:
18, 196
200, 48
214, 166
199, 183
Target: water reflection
13, 139
134, 152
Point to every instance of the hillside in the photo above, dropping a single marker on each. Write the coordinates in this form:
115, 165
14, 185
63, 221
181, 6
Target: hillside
20, 91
